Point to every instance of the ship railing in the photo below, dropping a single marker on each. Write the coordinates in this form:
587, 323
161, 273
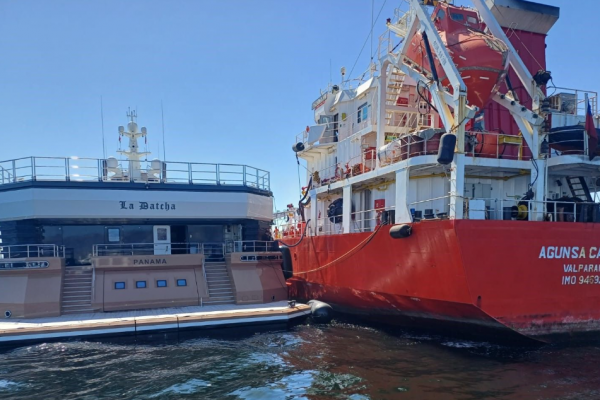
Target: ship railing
572, 101
289, 230
255, 246
214, 251
346, 126
508, 209
355, 166
368, 220
326, 226
76, 169
140, 249
32, 251
573, 146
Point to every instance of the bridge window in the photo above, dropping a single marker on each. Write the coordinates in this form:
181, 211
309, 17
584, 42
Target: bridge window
457, 17
161, 283
119, 285
181, 282
363, 112
140, 284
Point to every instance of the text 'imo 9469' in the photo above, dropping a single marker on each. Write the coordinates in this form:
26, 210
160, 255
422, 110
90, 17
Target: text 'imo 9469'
559, 252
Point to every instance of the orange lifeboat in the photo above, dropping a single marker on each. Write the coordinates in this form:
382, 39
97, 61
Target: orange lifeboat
481, 59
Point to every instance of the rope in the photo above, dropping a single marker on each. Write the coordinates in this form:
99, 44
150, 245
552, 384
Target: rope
350, 253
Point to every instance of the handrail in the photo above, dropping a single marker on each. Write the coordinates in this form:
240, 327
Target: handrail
254, 246
32, 251
133, 249
75, 169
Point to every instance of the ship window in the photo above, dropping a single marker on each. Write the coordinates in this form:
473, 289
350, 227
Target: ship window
363, 112
472, 20
119, 285
457, 17
441, 14
181, 282
161, 283
114, 235
140, 284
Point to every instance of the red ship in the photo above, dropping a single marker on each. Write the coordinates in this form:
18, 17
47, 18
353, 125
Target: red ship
458, 206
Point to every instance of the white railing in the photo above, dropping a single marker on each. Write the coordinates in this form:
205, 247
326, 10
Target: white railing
254, 246
572, 101
32, 251
366, 221
138, 249
508, 209
96, 170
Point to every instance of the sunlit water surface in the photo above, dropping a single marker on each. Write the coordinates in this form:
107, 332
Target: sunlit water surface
338, 361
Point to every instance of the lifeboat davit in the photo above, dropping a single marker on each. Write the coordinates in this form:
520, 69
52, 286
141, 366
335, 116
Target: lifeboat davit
481, 58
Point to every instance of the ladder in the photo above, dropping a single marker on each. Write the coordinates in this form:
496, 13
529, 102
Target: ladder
579, 188
395, 83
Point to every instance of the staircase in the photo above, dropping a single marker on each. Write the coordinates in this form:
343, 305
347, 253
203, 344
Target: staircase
220, 288
579, 188
77, 290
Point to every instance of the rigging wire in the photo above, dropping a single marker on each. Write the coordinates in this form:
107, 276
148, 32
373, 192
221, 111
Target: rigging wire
367, 39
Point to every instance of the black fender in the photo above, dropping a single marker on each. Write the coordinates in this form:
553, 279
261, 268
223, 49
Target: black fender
286, 266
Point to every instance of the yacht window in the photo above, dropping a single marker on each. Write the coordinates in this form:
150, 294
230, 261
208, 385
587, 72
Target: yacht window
119, 285
457, 17
114, 235
161, 283
363, 112
140, 284
181, 282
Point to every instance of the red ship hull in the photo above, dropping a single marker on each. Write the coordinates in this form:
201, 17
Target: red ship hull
541, 280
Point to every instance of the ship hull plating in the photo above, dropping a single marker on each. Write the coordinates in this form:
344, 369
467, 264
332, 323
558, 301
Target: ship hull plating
539, 279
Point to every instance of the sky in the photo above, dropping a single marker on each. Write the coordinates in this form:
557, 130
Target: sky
236, 78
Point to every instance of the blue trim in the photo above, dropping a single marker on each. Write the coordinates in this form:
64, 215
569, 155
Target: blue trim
172, 187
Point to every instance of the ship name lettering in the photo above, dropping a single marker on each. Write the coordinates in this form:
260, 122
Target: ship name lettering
144, 205
558, 252
152, 261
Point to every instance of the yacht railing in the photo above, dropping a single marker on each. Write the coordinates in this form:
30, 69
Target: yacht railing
76, 169
254, 246
32, 251
139, 249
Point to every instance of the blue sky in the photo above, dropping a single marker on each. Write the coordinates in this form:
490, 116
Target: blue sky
237, 78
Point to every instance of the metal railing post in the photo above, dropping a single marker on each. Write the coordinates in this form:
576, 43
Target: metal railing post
33, 168
67, 175
14, 169
575, 211
244, 173
218, 174
190, 180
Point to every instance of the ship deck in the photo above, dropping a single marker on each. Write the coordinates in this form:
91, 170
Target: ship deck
123, 323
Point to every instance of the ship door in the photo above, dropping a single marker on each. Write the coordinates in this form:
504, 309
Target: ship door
162, 239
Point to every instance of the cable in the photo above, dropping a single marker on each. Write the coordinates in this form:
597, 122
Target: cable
367, 39
301, 237
425, 99
299, 183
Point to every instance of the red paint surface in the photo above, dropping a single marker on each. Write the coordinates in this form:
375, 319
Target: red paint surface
477, 272
481, 59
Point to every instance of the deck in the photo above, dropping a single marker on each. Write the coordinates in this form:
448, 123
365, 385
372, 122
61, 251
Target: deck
135, 322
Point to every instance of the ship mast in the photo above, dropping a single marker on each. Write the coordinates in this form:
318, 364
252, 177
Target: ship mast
133, 155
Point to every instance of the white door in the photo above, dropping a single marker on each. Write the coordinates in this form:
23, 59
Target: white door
162, 239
